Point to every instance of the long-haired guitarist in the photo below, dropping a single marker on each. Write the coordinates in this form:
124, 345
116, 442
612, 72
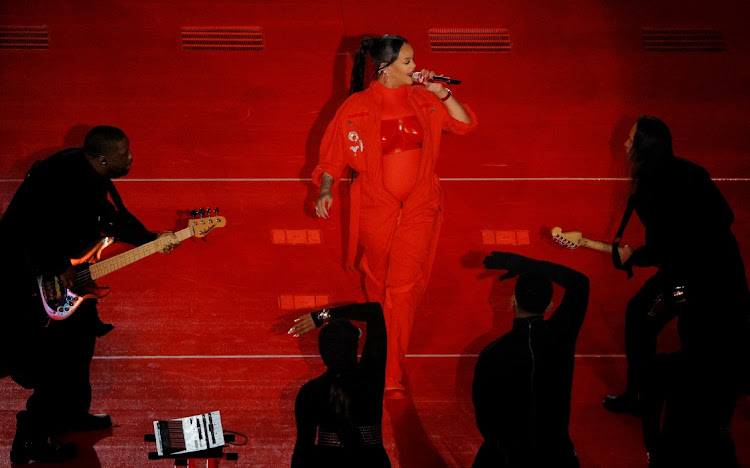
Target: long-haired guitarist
701, 280
65, 204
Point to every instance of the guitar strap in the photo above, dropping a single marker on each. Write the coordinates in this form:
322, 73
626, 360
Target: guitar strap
618, 238
124, 226
116, 199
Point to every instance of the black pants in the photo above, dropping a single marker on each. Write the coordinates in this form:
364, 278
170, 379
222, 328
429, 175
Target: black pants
491, 455
698, 395
697, 388
643, 323
53, 359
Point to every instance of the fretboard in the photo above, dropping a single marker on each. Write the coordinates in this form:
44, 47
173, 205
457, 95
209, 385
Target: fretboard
596, 245
109, 265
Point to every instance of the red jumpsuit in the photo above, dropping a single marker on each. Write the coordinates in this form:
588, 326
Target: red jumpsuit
398, 238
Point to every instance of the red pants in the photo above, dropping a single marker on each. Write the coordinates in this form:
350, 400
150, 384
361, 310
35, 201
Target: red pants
399, 248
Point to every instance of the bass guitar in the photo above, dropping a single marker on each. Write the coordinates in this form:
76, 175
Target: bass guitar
60, 302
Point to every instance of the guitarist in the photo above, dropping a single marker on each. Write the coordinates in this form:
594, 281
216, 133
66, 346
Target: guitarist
705, 287
65, 204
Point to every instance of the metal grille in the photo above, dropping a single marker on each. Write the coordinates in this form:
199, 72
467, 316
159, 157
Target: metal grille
24, 37
470, 40
243, 38
682, 40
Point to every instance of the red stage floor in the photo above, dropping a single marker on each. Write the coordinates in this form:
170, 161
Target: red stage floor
204, 328
434, 428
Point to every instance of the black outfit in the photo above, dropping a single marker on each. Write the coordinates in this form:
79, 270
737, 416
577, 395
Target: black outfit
59, 211
364, 384
523, 380
688, 237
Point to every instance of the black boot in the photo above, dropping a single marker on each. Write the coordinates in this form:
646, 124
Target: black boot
31, 443
101, 328
91, 422
627, 402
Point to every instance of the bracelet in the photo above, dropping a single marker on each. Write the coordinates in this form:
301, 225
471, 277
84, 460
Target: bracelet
324, 315
447, 96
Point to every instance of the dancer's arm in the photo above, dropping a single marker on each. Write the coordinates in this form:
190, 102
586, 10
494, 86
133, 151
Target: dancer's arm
374, 351
575, 301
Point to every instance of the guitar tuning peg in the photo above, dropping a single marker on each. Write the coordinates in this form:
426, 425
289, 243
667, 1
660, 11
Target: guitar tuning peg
216, 211
208, 210
201, 212
193, 213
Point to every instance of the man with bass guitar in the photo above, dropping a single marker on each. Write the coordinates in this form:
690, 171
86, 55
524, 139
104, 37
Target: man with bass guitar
65, 204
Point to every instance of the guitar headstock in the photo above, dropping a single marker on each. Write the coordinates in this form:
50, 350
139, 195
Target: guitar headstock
203, 221
570, 240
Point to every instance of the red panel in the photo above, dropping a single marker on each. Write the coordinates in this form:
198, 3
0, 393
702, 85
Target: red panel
296, 236
505, 237
278, 236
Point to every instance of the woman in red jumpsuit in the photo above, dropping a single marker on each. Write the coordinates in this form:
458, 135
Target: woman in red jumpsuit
390, 135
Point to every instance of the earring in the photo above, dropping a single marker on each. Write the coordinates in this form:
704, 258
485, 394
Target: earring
387, 74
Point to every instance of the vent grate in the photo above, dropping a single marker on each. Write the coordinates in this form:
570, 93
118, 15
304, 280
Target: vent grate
682, 40
243, 38
24, 37
470, 40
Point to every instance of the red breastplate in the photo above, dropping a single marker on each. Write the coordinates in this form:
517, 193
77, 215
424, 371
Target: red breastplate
401, 134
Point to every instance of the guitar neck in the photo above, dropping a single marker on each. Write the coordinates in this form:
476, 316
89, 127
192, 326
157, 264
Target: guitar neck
109, 265
596, 245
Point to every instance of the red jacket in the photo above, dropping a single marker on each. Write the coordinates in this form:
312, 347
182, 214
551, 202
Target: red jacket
353, 139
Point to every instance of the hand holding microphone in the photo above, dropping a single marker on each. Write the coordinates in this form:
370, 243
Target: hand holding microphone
424, 76
434, 83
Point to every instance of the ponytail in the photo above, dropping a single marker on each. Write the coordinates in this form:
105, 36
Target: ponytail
340, 402
357, 82
338, 347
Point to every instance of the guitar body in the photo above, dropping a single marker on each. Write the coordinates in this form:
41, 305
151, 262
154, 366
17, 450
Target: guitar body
59, 302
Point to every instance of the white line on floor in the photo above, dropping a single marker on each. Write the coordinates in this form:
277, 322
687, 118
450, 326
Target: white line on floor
444, 179
298, 356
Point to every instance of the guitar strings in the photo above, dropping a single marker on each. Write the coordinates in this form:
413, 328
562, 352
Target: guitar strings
83, 277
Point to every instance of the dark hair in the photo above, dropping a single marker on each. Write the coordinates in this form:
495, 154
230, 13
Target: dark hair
102, 140
338, 342
652, 146
384, 49
533, 293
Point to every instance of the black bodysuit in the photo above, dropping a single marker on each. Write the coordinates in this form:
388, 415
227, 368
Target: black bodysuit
523, 380
364, 385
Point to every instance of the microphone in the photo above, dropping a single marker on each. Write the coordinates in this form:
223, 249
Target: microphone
417, 76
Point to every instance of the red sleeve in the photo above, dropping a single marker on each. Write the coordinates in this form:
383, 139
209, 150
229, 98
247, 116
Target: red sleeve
332, 159
450, 124
455, 126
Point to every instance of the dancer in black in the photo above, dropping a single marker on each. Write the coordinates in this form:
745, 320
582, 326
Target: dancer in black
58, 212
701, 280
523, 380
344, 406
